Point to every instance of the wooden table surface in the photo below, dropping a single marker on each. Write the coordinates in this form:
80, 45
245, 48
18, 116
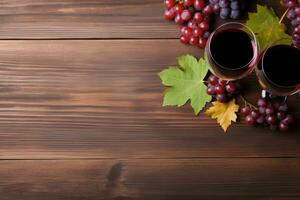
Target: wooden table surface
81, 115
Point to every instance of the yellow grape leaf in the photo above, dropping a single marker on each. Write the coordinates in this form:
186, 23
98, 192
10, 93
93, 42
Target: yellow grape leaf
225, 113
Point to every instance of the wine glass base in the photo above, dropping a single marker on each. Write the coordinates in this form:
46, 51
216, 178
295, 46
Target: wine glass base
266, 94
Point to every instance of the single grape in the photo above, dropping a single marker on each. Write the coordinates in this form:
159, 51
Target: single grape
188, 32
294, 23
250, 120
204, 26
211, 90
220, 89
230, 88
216, 8
207, 10
169, 3
245, 111
192, 24
198, 17
182, 30
297, 29
283, 107
262, 110
271, 119
280, 115
283, 127
224, 13
269, 110
296, 36
235, 14
260, 120
188, 2
234, 5
179, 20
222, 82
202, 42
262, 102
169, 14
291, 3
255, 114
198, 32
212, 79
194, 40
297, 10
297, 20
179, 8
221, 97
184, 39
186, 15
224, 3
291, 14
199, 4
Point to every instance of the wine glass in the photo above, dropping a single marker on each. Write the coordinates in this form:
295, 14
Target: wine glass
232, 51
278, 69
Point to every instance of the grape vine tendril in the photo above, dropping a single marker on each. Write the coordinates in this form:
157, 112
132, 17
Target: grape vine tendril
247, 103
284, 15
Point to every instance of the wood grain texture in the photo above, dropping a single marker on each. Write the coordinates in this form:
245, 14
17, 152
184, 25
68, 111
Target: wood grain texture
102, 99
84, 19
206, 179
82, 119
71, 19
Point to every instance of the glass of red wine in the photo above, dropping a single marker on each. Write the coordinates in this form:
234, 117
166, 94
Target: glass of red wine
232, 51
278, 69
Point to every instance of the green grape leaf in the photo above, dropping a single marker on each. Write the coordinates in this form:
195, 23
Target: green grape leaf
186, 83
267, 27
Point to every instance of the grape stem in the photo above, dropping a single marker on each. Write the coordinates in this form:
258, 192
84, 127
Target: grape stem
247, 103
283, 16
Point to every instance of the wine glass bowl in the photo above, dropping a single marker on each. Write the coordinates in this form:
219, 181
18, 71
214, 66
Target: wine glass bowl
278, 69
232, 51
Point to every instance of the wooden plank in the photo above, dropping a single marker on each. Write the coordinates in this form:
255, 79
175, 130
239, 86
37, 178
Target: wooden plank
102, 99
42, 19
258, 179
84, 19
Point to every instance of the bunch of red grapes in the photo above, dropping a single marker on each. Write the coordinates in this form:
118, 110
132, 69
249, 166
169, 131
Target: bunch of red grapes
269, 113
294, 16
222, 90
195, 16
272, 113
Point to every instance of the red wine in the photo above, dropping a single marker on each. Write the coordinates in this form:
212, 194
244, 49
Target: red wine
281, 65
232, 49
278, 70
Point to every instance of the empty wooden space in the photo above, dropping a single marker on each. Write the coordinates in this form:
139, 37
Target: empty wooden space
81, 115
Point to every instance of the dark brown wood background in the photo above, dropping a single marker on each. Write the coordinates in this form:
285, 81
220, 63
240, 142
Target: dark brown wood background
81, 115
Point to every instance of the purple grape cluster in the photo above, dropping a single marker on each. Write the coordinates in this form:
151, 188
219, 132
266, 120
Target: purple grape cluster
270, 113
294, 16
222, 90
226, 8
